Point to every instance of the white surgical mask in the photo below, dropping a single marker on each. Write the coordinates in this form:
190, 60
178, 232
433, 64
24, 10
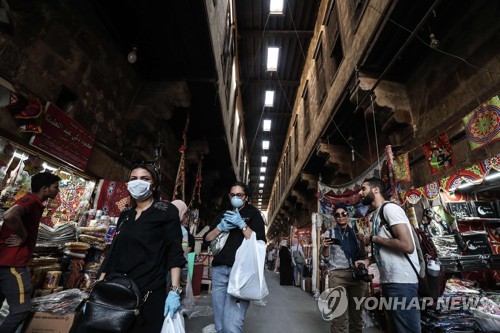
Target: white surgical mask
139, 189
236, 202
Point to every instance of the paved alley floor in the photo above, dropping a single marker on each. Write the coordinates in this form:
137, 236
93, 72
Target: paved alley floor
288, 309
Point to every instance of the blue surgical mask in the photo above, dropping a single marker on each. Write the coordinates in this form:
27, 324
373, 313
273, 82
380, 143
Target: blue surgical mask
139, 189
236, 202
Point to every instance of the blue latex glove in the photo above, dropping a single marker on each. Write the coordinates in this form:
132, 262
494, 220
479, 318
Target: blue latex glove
224, 226
172, 303
234, 218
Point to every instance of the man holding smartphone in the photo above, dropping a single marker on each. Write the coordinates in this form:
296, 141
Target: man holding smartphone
339, 251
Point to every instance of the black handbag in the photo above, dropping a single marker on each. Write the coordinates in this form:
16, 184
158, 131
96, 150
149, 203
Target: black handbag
113, 304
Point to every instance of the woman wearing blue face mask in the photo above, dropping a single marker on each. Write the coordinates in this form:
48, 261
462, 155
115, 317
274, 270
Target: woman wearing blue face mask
240, 222
147, 245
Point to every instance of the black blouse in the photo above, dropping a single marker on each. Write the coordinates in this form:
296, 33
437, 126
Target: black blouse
147, 248
253, 219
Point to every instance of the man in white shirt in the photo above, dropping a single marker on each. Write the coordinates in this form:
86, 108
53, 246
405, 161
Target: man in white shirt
399, 280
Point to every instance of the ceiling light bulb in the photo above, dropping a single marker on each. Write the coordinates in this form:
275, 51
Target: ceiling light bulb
434, 41
132, 55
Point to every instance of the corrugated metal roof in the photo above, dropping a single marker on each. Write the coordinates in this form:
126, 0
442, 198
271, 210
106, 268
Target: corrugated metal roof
257, 30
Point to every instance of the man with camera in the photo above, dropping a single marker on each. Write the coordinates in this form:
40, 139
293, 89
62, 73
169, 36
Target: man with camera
340, 250
398, 279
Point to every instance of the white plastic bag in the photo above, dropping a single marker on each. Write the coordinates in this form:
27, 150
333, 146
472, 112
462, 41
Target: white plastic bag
188, 300
173, 325
247, 275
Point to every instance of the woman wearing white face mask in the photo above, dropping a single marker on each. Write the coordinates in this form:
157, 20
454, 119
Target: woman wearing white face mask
240, 222
147, 245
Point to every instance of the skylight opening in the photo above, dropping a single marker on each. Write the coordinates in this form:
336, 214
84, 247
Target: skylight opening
272, 58
269, 100
267, 125
276, 7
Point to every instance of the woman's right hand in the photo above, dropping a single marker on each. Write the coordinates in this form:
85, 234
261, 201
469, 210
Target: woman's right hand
225, 226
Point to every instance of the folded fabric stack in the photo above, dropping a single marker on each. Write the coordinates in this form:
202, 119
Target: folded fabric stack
76, 249
470, 263
38, 269
89, 276
449, 264
474, 262
445, 246
43, 261
487, 314
456, 310
95, 236
65, 301
47, 250
60, 234
452, 311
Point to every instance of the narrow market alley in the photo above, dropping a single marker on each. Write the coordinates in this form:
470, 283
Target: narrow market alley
286, 309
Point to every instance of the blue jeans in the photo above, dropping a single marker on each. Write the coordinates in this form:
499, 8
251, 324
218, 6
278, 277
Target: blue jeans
401, 318
229, 311
296, 269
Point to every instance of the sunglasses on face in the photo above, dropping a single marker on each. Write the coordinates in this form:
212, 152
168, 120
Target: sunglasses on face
337, 215
239, 195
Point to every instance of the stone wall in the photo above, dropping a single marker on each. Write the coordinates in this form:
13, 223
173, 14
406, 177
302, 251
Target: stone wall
61, 46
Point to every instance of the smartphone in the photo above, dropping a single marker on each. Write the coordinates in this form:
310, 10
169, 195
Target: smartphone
333, 241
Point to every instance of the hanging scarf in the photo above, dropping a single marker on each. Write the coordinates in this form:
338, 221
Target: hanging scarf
348, 243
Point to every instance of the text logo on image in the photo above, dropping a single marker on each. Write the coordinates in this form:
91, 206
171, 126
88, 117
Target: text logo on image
332, 303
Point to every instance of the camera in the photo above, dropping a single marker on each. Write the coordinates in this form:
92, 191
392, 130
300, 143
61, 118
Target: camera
361, 273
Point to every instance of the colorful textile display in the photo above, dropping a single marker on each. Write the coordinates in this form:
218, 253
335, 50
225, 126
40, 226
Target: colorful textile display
402, 168
413, 196
197, 185
439, 154
473, 174
180, 179
431, 190
67, 206
113, 197
353, 185
482, 126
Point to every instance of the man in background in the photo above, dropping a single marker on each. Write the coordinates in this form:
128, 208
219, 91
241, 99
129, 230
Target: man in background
391, 241
17, 242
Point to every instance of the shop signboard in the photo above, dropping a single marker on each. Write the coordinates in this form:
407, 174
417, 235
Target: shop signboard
64, 138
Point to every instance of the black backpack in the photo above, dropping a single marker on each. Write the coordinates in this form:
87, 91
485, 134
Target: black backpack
113, 304
428, 286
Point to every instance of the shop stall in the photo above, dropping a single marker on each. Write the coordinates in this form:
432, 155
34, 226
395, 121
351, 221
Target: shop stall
459, 215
